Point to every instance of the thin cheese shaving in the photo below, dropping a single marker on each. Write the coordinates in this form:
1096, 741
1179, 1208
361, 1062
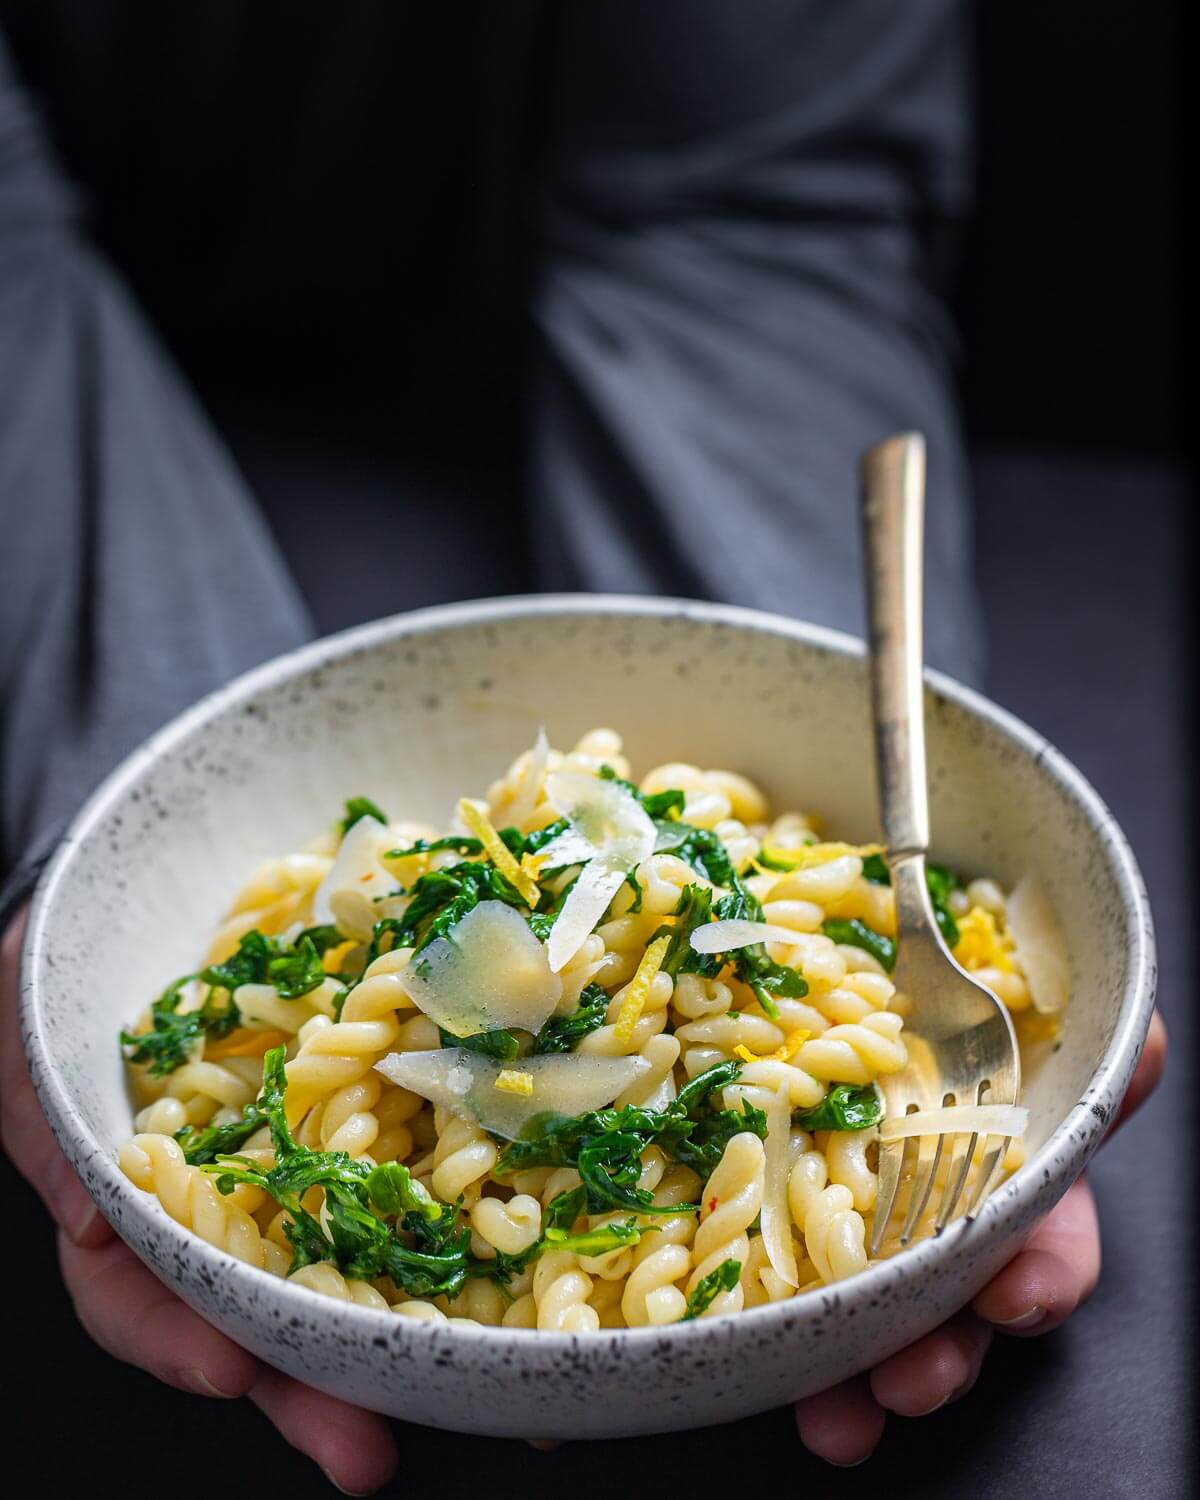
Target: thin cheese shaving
958, 1119
497, 851
638, 989
734, 932
510, 1081
804, 856
1039, 946
530, 785
775, 1219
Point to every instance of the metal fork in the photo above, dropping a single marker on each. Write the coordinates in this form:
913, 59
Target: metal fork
961, 1045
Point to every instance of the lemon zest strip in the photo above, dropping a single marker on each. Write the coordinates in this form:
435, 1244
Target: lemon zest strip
510, 1081
498, 852
638, 989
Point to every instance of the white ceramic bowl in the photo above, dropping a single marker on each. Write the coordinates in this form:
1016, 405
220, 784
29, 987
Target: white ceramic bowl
419, 709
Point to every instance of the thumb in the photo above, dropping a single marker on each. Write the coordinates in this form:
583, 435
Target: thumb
23, 1129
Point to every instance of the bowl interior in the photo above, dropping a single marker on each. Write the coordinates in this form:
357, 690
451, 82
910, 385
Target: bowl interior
418, 711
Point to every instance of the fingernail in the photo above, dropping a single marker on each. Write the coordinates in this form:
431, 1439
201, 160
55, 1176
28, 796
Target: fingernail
853, 1463
1028, 1319
929, 1410
72, 1206
342, 1487
199, 1382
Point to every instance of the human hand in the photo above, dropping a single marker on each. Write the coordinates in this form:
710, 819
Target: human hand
133, 1316
1053, 1274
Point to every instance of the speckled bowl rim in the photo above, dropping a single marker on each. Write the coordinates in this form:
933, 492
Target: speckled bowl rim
1060, 1159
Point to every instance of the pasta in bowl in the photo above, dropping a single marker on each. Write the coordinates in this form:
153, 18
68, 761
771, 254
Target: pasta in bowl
599, 1054
350, 1107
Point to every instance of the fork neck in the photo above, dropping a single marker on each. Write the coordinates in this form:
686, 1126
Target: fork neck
914, 909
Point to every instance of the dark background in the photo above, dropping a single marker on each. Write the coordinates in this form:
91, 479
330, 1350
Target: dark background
1070, 304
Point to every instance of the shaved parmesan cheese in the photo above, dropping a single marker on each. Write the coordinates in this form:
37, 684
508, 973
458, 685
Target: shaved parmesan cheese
587, 902
530, 784
488, 974
610, 818
958, 1119
725, 936
776, 1220
468, 1083
569, 848
357, 876
620, 834
1041, 949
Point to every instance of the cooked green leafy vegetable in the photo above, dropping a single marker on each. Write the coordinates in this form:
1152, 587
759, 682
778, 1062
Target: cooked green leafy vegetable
694, 908
426, 1250
173, 1037
440, 900
203, 1144
361, 807
704, 851
294, 969
605, 1145
459, 842
710, 1287
858, 935
564, 1033
751, 964
656, 804
844, 1107
498, 1044
942, 882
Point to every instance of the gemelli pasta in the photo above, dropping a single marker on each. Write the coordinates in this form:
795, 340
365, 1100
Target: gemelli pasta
600, 1054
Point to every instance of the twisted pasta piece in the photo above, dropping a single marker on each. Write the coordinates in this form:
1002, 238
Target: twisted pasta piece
508, 1227
696, 996
334, 1056
579, 971
364, 1116
663, 1258
856, 1053
425, 1312
560, 1292
730, 1203
846, 1156
462, 1159
760, 1282
157, 1164
325, 1278
834, 1233
479, 1302
656, 1088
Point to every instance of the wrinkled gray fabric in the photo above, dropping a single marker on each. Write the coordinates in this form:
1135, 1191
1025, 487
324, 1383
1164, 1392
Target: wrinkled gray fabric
736, 233
135, 574
732, 312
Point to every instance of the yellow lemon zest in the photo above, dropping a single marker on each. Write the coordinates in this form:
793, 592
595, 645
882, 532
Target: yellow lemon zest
981, 945
497, 851
638, 988
510, 1081
781, 1054
333, 958
805, 856
532, 865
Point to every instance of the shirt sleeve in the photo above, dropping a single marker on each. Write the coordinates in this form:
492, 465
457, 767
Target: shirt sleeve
135, 571
743, 234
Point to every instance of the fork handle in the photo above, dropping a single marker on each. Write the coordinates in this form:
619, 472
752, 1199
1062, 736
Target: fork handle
893, 520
